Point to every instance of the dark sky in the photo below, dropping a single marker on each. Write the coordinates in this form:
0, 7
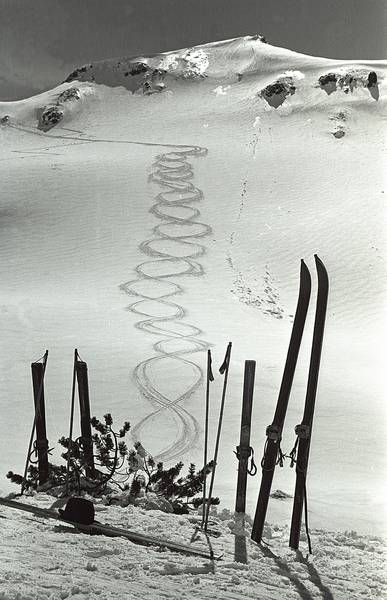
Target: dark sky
42, 41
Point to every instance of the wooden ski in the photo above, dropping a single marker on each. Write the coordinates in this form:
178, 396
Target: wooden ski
111, 531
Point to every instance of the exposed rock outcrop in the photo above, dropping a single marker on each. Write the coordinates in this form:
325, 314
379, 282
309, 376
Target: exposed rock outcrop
328, 82
72, 93
49, 117
276, 93
350, 80
135, 75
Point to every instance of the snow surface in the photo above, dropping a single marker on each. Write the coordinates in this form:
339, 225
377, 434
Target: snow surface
43, 559
94, 258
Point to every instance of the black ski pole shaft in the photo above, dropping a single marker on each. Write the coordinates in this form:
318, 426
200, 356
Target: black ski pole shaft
71, 419
304, 430
274, 431
243, 450
210, 378
223, 369
45, 357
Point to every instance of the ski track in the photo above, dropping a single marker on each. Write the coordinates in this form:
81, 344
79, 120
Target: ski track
172, 252
173, 171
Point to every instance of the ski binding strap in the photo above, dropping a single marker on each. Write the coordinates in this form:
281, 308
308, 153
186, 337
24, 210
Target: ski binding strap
302, 431
274, 432
243, 453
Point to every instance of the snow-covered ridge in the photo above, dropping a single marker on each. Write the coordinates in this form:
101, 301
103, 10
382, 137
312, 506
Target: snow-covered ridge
225, 60
245, 68
147, 74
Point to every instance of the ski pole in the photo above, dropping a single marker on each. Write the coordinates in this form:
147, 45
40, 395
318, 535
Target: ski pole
223, 369
210, 377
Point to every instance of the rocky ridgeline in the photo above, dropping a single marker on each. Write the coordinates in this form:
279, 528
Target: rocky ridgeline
136, 76
145, 76
276, 93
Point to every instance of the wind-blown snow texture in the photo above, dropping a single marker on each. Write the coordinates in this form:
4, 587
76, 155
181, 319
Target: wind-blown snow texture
156, 206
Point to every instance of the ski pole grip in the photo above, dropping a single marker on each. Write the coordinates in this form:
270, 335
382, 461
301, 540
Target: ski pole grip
226, 361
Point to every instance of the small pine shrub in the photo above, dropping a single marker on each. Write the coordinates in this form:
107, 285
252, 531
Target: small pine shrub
118, 467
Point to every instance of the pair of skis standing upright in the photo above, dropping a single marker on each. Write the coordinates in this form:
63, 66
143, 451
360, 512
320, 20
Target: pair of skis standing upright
300, 454
273, 454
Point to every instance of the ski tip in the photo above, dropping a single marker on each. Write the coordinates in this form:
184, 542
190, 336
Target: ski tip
319, 263
304, 267
318, 259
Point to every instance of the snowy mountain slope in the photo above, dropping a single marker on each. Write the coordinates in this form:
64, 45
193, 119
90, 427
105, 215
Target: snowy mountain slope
94, 257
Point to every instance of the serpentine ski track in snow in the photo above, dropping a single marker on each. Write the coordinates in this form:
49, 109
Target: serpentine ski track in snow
172, 253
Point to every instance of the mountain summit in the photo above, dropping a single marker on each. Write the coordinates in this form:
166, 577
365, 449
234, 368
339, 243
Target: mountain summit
227, 60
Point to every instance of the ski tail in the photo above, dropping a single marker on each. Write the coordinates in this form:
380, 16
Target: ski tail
274, 431
304, 430
111, 531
